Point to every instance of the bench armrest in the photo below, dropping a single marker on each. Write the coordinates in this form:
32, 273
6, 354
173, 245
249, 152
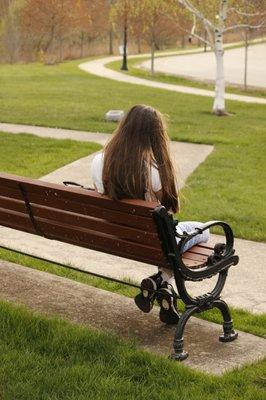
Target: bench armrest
185, 237
222, 258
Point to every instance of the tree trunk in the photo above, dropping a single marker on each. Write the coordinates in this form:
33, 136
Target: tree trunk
246, 60
81, 45
60, 49
183, 41
219, 102
139, 44
124, 63
152, 57
111, 47
205, 42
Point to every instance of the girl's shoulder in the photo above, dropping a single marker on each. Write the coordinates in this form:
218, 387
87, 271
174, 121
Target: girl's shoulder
97, 163
98, 158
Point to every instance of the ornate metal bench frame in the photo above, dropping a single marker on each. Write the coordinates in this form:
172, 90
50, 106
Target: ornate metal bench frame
222, 259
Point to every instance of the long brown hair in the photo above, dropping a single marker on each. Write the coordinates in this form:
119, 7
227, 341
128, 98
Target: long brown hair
140, 141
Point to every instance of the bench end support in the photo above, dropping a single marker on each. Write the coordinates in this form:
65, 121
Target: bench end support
180, 354
228, 334
228, 337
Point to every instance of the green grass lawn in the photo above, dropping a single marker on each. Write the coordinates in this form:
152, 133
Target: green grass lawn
51, 359
32, 156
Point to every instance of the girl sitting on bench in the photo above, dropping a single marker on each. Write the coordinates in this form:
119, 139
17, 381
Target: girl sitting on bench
136, 164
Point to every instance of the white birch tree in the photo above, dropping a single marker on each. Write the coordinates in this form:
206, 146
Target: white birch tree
217, 18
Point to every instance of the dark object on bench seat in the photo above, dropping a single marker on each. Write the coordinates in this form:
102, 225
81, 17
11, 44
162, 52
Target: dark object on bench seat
133, 229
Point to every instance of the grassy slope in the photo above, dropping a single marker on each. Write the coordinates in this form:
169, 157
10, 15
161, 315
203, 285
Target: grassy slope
230, 185
52, 359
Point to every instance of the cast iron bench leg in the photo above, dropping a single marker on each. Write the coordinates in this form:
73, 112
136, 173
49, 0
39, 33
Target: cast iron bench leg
229, 334
180, 354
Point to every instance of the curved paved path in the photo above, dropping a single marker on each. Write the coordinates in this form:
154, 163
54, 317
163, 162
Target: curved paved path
202, 66
98, 67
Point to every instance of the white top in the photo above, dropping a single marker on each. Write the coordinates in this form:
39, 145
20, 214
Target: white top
97, 171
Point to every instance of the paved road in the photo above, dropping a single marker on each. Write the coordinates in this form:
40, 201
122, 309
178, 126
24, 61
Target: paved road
202, 66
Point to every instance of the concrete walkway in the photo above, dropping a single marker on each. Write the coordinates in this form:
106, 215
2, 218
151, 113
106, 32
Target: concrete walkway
201, 67
242, 289
82, 304
98, 67
56, 133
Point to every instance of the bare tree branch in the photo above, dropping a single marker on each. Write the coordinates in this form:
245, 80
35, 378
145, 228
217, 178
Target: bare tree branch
202, 39
194, 24
247, 26
190, 32
206, 26
195, 12
244, 14
197, 36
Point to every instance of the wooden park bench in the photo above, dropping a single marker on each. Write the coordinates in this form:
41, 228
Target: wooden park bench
134, 229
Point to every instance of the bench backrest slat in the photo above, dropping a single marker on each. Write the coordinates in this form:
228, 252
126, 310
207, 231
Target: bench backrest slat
87, 219
84, 237
54, 191
76, 216
94, 224
85, 207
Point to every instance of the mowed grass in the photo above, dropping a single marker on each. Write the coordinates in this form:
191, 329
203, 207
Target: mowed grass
229, 185
32, 156
51, 359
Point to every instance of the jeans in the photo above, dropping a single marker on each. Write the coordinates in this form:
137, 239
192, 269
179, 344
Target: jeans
190, 226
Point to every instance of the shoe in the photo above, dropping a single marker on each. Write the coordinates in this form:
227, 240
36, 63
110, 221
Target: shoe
217, 255
167, 300
144, 300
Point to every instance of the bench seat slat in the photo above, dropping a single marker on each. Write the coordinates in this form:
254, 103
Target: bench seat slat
91, 223
85, 238
191, 263
200, 250
195, 256
204, 246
